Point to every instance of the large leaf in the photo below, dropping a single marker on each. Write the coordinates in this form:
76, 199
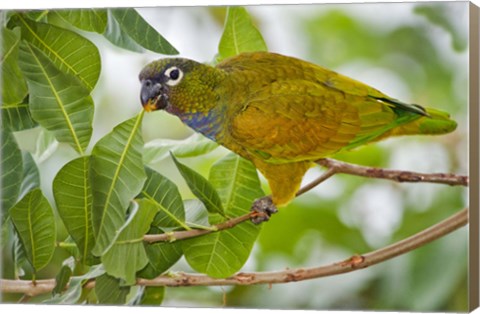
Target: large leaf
109, 290
69, 51
15, 113
117, 177
201, 188
73, 195
239, 35
58, 101
91, 20
35, 223
14, 88
118, 37
128, 245
192, 146
166, 197
161, 256
223, 253
236, 181
12, 171
17, 117
140, 31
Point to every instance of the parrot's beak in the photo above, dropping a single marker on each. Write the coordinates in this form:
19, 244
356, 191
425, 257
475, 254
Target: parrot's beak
150, 105
152, 97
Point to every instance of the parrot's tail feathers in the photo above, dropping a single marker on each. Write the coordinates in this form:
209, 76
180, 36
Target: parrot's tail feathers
436, 122
400, 106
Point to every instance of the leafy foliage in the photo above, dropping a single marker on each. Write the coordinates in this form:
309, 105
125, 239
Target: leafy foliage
112, 189
34, 221
73, 195
223, 253
11, 179
240, 35
117, 177
128, 245
57, 100
86, 19
141, 32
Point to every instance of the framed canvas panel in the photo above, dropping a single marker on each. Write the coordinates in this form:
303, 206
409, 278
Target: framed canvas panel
288, 156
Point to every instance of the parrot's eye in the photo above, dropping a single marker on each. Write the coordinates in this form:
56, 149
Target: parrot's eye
174, 75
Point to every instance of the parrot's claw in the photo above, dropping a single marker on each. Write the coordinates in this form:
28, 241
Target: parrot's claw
262, 209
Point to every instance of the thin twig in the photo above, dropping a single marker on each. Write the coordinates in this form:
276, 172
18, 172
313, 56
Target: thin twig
327, 174
180, 235
353, 263
395, 175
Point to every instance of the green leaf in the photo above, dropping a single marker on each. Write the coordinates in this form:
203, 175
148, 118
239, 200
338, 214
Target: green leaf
223, 253
109, 291
63, 277
58, 101
195, 145
35, 223
31, 176
118, 37
15, 113
161, 256
73, 195
70, 52
17, 117
90, 20
128, 245
14, 88
12, 171
236, 181
141, 32
37, 15
117, 177
201, 188
166, 197
74, 289
153, 296
239, 35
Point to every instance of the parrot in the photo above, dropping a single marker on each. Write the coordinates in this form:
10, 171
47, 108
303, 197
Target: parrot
281, 113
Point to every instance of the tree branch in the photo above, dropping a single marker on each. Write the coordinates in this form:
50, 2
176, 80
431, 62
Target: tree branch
394, 175
180, 235
355, 262
334, 167
450, 224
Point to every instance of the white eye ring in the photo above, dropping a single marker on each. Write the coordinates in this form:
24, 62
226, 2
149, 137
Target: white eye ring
172, 81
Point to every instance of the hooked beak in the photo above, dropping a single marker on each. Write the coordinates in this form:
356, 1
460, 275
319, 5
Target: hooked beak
153, 96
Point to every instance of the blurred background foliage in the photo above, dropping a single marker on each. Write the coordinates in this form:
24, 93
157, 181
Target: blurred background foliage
416, 52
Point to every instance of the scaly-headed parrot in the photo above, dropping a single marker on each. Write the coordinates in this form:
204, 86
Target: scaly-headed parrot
280, 112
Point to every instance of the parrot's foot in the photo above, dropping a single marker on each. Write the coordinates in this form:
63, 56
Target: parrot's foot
262, 209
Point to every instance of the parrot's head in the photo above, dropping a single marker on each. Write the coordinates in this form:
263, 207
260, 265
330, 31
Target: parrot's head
173, 83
